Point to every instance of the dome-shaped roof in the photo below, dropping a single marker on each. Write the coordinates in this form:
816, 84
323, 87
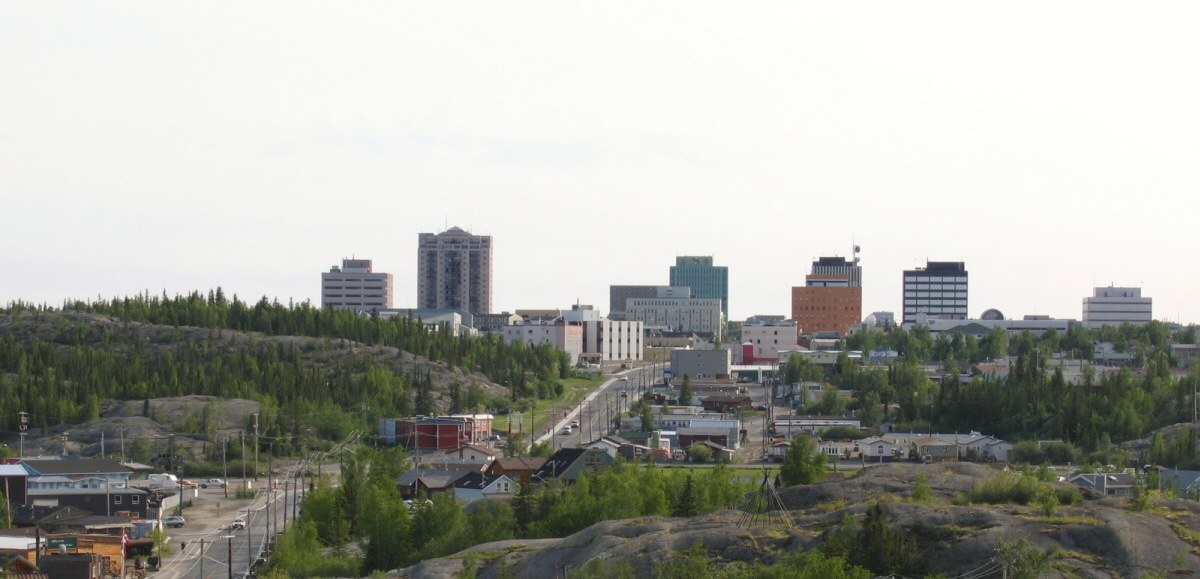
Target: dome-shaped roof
992, 314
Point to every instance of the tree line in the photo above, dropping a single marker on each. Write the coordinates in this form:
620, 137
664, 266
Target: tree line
61, 366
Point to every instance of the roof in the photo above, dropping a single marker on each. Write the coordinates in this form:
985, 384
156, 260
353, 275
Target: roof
478, 480
88, 491
12, 470
703, 431
16, 542
1180, 479
434, 479
559, 463
1112, 479
472, 447
519, 463
71, 466
723, 398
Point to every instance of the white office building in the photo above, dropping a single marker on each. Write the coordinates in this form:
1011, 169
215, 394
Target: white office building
1113, 306
678, 315
355, 286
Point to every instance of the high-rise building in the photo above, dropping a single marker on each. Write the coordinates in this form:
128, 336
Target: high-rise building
831, 299
708, 281
939, 290
454, 271
355, 286
1113, 306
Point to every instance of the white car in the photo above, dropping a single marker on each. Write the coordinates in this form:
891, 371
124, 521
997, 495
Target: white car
213, 482
237, 524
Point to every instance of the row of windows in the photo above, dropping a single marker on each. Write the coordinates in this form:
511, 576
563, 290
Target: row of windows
935, 303
935, 279
962, 287
960, 295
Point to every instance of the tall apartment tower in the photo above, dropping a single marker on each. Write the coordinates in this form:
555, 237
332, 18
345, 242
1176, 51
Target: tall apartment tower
831, 298
355, 286
454, 271
1114, 306
939, 290
708, 281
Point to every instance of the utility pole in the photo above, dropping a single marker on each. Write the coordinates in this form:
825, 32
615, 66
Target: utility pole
22, 426
249, 541
225, 468
201, 557
242, 435
229, 554
255, 447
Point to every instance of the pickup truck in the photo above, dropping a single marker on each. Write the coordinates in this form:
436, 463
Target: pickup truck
212, 482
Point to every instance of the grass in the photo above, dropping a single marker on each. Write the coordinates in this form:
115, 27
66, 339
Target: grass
1066, 520
1187, 535
574, 390
831, 506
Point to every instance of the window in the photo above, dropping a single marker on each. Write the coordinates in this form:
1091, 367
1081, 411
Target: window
117, 500
135, 500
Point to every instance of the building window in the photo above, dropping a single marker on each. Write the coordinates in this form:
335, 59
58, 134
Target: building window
117, 500
135, 500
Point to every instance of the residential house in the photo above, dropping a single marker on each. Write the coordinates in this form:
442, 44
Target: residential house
478, 485
875, 449
933, 449
470, 453
568, 463
516, 467
1109, 483
1185, 483
426, 481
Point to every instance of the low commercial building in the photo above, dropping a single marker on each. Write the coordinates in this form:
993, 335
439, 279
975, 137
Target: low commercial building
701, 363
436, 432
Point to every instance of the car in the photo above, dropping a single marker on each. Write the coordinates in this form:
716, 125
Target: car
761, 408
213, 482
174, 521
237, 524
574, 424
566, 430
624, 378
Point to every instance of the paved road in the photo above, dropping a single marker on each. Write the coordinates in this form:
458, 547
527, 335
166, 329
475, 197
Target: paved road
598, 412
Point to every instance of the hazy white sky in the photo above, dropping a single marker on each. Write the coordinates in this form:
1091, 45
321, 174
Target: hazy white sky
250, 145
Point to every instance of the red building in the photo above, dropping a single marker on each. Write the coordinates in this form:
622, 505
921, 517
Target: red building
436, 432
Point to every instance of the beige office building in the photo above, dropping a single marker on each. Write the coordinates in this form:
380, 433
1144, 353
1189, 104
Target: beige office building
355, 286
454, 271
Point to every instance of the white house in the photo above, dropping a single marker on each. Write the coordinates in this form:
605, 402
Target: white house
478, 485
875, 449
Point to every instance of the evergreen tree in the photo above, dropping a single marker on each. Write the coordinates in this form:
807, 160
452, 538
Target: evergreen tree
803, 464
685, 391
685, 505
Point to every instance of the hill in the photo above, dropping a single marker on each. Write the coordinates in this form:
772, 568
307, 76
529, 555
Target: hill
1098, 538
91, 372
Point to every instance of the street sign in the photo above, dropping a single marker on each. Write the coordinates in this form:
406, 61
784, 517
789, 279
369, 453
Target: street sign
55, 542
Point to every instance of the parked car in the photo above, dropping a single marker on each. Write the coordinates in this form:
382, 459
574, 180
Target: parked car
237, 524
213, 482
174, 521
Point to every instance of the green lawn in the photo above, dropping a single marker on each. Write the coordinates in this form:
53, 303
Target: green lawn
574, 390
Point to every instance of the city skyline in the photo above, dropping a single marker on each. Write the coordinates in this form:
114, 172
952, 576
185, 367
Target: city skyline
154, 148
